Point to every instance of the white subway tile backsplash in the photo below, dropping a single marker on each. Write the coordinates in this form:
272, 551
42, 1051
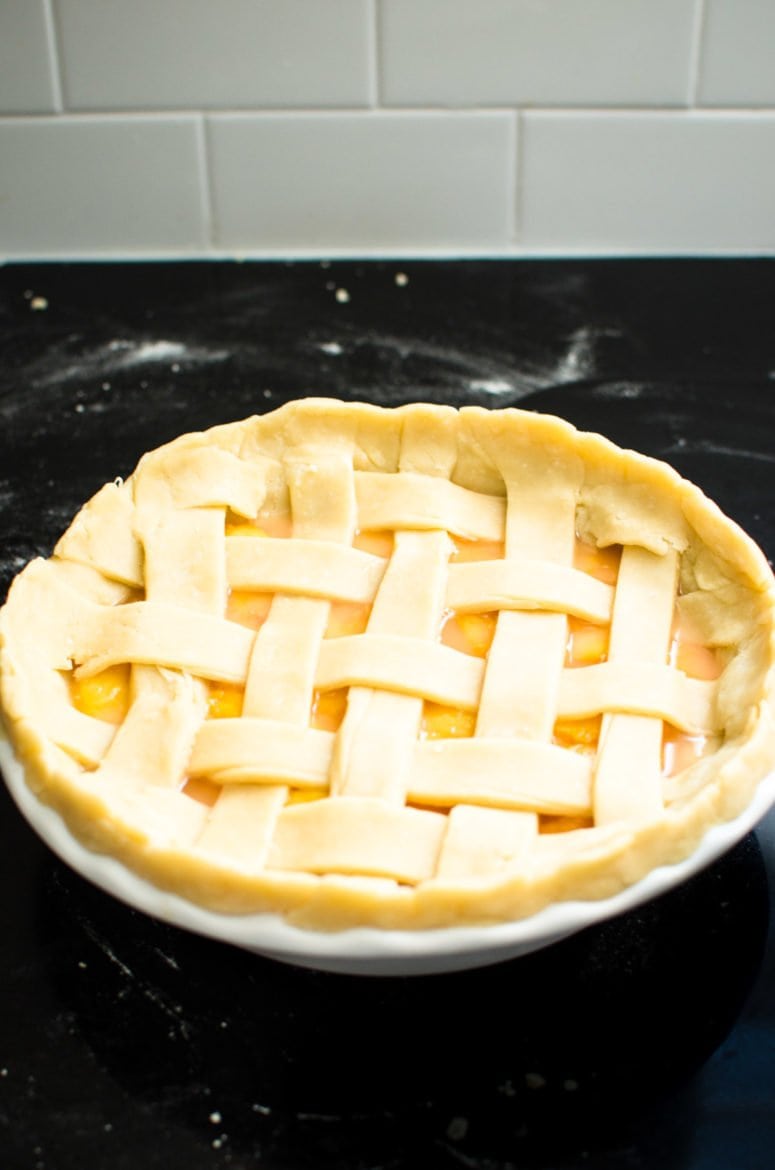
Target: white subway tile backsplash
26, 72
293, 127
648, 182
376, 180
738, 53
73, 185
568, 52
214, 53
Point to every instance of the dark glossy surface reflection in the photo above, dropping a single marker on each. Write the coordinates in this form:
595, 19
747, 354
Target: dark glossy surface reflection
646, 1042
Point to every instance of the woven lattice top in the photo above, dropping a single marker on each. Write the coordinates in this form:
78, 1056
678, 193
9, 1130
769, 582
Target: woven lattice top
284, 610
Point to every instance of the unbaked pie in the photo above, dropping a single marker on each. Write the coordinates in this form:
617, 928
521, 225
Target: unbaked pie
407, 668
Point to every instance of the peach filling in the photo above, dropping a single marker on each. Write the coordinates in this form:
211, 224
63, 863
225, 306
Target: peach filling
103, 696
106, 695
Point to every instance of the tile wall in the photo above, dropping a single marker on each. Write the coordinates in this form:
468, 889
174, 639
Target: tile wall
394, 127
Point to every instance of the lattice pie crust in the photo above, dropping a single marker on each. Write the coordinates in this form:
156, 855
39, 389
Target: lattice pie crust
308, 724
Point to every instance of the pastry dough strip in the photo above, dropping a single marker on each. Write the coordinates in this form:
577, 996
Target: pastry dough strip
485, 842
642, 688
628, 779
376, 740
394, 662
358, 835
406, 500
530, 584
502, 772
313, 568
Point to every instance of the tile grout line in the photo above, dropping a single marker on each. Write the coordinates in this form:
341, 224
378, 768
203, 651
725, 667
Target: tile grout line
129, 114
695, 53
206, 198
446, 252
516, 178
53, 45
373, 46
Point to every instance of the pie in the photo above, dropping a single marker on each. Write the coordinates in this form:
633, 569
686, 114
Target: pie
405, 668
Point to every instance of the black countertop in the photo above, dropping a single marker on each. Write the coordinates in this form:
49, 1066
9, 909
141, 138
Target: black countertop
648, 1041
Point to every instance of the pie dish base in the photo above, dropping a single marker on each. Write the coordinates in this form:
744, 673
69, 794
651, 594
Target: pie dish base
364, 950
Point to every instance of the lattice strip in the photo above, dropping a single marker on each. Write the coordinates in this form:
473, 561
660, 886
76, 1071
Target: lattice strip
500, 771
84, 737
197, 477
102, 536
485, 842
156, 633
313, 568
394, 662
407, 500
224, 838
530, 584
642, 688
519, 695
281, 678
358, 835
184, 560
628, 782
540, 525
375, 743
153, 744
262, 750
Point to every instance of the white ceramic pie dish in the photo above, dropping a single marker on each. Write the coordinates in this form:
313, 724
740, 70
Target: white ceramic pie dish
369, 951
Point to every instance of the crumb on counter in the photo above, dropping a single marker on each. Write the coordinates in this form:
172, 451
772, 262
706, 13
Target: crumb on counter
457, 1129
534, 1080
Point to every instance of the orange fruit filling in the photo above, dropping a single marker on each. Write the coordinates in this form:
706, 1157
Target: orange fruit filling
471, 633
328, 708
248, 608
378, 543
602, 563
476, 550
305, 795
265, 524
692, 657
346, 618
224, 700
440, 722
578, 733
104, 695
201, 790
561, 824
587, 643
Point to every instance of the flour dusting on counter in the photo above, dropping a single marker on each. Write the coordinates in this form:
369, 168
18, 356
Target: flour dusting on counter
117, 356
